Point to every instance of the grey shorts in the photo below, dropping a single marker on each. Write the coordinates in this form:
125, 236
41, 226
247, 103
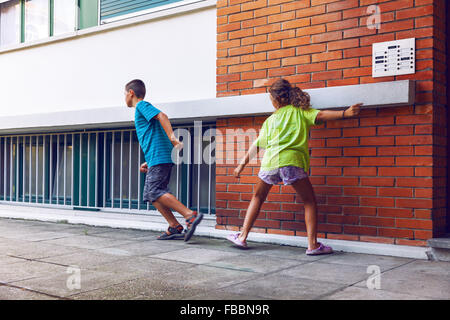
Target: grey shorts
287, 175
156, 181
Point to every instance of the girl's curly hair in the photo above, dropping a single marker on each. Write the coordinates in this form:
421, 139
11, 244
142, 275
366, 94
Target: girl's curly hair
286, 94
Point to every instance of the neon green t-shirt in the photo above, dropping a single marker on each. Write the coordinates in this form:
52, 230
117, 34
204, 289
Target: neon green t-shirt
284, 136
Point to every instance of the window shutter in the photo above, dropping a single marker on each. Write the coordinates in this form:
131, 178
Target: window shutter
114, 8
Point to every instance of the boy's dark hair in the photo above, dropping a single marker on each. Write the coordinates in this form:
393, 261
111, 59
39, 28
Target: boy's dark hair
138, 87
286, 94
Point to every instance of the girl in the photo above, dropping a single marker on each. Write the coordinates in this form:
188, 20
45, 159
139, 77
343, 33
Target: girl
284, 136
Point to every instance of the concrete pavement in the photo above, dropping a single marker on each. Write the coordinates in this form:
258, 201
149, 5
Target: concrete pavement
44, 260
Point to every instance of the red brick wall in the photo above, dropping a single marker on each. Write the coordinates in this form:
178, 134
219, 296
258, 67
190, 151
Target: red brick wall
380, 177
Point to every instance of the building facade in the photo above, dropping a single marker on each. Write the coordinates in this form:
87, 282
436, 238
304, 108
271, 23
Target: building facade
67, 138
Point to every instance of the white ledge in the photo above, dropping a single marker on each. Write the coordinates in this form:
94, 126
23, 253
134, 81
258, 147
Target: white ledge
374, 95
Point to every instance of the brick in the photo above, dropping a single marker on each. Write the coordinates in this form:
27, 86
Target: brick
396, 192
377, 239
358, 132
384, 182
372, 231
414, 203
342, 161
377, 141
377, 221
396, 151
396, 172
397, 233
342, 142
326, 75
360, 211
414, 224
377, 201
360, 152
394, 212
360, 191
396, 130
342, 181
414, 161
363, 171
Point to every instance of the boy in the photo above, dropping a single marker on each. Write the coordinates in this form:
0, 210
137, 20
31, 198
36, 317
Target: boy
156, 138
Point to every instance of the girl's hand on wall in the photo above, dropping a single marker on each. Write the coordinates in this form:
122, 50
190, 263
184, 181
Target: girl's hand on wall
353, 110
238, 170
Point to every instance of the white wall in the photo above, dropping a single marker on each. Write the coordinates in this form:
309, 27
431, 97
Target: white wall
175, 56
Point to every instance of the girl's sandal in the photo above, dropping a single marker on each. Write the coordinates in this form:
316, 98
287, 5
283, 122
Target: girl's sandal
235, 239
322, 249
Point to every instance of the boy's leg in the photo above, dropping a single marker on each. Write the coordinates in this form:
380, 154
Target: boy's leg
169, 201
261, 192
305, 190
166, 213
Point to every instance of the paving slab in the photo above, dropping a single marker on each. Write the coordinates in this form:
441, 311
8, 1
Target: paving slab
357, 259
329, 272
129, 234
8, 261
196, 255
143, 266
254, 263
11, 293
86, 242
84, 259
429, 279
288, 252
283, 287
28, 270
221, 294
144, 248
357, 293
140, 289
207, 277
35, 250
56, 284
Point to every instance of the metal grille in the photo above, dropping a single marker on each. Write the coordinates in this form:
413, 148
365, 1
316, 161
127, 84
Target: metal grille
100, 170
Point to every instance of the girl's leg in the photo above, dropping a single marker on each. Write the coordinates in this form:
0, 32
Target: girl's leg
305, 190
262, 189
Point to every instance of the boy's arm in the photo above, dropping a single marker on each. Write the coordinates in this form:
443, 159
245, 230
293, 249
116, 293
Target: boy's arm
325, 115
165, 123
248, 156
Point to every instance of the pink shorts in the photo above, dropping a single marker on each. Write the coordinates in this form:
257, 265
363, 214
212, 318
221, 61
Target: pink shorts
287, 175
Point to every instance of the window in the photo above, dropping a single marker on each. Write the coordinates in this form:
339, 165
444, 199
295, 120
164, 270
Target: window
100, 169
37, 22
10, 23
28, 20
112, 10
64, 16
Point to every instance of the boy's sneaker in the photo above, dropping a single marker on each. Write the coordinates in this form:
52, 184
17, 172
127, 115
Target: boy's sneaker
172, 233
192, 223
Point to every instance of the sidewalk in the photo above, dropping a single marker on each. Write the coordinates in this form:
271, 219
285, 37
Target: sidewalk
44, 260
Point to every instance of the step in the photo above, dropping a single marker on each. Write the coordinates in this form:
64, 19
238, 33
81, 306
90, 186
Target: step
439, 248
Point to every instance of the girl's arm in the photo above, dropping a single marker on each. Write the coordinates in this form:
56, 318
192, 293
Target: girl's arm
165, 123
325, 115
248, 156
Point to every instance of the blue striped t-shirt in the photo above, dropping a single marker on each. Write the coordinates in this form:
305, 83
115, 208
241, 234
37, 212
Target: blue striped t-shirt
153, 139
